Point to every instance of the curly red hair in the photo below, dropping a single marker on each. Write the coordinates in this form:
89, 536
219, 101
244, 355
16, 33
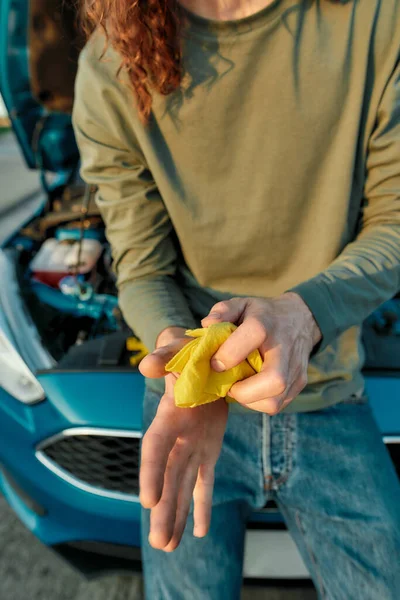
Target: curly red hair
147, 35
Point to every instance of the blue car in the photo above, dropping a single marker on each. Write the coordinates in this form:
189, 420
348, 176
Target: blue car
70, 392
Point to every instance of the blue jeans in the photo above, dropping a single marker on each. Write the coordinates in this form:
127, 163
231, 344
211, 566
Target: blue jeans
332, 478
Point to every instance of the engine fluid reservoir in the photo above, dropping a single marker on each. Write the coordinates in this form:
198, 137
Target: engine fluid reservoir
88, 256
57, 259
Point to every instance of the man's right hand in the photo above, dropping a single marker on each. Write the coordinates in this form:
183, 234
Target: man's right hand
179, 453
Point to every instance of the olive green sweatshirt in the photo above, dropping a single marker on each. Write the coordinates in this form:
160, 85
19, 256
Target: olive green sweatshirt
274, 167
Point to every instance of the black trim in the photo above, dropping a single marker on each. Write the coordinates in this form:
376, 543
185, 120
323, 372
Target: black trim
283, 583
266, 526
93, 559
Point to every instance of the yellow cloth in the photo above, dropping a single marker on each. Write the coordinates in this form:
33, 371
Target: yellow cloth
198, 383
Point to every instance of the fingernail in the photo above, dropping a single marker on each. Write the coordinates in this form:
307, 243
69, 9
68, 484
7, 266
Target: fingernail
197, 532
217, 365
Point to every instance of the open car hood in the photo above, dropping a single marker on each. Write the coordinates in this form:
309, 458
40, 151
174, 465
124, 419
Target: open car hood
39, 48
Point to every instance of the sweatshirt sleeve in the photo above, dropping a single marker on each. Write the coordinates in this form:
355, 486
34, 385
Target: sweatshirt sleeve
138, 226
367, 272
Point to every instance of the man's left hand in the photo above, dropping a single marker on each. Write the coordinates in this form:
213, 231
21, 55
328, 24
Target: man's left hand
283, 329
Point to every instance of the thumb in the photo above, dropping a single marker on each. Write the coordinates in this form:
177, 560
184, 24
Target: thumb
229, 311
153, 365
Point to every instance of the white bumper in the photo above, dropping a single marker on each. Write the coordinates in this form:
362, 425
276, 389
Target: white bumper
272, 555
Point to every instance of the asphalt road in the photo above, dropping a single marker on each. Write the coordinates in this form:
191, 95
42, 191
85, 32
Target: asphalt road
28, 570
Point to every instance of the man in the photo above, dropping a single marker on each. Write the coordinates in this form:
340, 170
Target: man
264, 191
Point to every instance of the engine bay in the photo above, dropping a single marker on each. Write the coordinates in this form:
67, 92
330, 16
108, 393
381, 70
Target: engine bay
68, 285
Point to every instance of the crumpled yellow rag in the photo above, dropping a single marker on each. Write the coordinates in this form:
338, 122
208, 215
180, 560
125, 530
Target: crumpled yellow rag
198, 383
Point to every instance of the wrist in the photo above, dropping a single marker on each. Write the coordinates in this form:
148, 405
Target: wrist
309, 322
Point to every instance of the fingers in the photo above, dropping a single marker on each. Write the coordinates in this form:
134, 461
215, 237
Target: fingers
274, 405
271, 382
157, 444
184, 499
153, 365
298, 386
197, 482
203, 493
164, 513
249, 336
228, 310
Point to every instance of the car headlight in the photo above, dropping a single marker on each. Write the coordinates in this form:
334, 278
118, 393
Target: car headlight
15, 376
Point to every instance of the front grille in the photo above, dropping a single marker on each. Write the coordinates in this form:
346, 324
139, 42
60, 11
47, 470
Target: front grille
106, 461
